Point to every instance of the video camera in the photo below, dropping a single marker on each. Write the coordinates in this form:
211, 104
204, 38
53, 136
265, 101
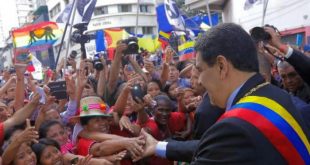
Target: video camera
78, 36
132, 45
259, 34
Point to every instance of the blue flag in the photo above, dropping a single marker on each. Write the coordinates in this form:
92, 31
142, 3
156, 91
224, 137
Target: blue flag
162, 21
64, 16
100, 45
173, 15
84, 11
205, 19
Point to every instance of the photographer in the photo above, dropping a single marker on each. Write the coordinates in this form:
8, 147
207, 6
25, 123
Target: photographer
297, 59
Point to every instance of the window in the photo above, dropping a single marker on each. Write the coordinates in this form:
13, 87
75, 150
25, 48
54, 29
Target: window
124, 8
147, 30
144, 8
55, 10
130, 30
101, 10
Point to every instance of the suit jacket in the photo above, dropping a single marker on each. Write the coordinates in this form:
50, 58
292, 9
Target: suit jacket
235, 141
301, 63
205, 116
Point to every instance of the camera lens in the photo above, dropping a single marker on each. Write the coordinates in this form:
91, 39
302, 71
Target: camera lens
97, 63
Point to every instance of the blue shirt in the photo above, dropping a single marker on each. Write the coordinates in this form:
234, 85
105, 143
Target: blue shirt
232, 97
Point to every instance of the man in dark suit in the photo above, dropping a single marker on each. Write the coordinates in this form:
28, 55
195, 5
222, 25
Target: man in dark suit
260, 124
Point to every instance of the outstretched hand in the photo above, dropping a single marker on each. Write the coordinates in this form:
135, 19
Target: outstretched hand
125, 123
149, 147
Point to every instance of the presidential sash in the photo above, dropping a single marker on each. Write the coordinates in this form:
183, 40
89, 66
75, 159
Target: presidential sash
276, 124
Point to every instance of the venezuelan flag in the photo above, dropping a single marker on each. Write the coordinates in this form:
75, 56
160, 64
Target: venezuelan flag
163, 36
186, 50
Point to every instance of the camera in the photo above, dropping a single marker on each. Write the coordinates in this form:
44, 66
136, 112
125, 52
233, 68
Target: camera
97, 62
259, 34
12, 70
132, 45
137, 93
78, 35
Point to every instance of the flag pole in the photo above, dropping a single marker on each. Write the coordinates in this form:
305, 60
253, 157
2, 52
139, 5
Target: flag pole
70, 30
137, 17
265, 4
209, 13
64, 35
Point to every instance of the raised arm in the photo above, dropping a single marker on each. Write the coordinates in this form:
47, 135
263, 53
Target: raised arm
28, 135
102, 82
22, 114
121, 101
298, 60
115, 67
164, 73
20, 87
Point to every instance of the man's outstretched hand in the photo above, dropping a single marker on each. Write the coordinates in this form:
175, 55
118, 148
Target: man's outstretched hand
150, 145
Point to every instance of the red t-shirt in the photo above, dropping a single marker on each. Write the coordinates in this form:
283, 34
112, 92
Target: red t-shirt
84, 145
176, 123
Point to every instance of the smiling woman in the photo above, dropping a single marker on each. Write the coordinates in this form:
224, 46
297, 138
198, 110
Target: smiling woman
48, 152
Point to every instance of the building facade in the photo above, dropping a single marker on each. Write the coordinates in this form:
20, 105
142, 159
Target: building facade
291, 17
109, 14
123, 14
14, 14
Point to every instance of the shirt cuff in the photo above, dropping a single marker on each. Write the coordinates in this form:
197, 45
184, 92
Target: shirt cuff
160, 149
289, 52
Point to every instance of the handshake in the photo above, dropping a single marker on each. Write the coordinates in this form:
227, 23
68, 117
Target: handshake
140, 147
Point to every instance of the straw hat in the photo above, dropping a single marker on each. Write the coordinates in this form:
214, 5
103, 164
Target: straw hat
91, 106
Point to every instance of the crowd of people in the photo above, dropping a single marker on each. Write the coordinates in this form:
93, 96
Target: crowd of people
239, 102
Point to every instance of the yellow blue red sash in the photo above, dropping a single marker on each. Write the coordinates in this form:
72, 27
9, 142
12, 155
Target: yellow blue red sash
276, 124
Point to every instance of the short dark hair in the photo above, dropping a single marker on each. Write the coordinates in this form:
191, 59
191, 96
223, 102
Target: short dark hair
46, 126
156, 82
231, 41
38, 148
165, 99
84, 120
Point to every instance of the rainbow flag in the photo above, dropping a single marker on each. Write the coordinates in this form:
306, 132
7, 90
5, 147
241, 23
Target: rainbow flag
186, 50
35, 37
